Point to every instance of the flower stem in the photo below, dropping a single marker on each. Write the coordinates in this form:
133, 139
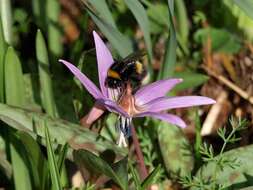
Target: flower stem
140, 159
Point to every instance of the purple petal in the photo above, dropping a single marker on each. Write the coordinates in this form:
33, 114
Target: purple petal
113, 107
164, 103
96, 111
170, 118
87, 83
155, 90
104, 61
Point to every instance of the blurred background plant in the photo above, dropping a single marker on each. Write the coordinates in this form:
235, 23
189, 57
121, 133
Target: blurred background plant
208, 43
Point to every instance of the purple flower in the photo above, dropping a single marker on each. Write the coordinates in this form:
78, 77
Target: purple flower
150, 100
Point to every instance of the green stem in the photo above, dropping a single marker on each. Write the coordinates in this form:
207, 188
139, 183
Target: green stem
226, 140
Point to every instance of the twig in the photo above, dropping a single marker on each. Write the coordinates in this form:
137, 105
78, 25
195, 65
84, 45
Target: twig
216, 109
231, 85
226, 61
140, 158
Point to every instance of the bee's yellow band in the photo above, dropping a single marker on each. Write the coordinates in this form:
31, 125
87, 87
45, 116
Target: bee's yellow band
113, 74
139, 67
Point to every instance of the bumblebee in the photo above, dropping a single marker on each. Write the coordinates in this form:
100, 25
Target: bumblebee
128, 70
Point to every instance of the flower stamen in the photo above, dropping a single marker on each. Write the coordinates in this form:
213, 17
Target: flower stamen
123, 126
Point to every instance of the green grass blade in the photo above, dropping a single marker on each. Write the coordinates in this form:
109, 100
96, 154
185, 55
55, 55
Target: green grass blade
246, 6
141, 16
120, 42
62, 156
54, 32
2, 53
198, 139
171, 7
150, 179
39, 12
36, 159
5, 166
14, 84
182, 21
47, 95
63, 131
19, 166
61, 165
104, 11
5, 6
170, 54
135, 177
53, 168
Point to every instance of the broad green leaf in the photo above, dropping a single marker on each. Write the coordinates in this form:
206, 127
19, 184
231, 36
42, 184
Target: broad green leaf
14, 91
2, 53
95, 164
47, 95
150, 179
120, 42
36, 159
54, 31
52, 164
242, 20
222, 41
170, 53
175, 149
239, 177
190, 80
20, 165
14, 84
110, 132
246, 6
77, 136
141, 16
247, 188
120, 169
6, 15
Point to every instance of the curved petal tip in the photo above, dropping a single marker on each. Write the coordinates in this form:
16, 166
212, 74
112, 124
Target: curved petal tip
95, 34
209, 101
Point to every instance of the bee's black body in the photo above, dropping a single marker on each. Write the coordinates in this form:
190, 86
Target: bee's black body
130, 69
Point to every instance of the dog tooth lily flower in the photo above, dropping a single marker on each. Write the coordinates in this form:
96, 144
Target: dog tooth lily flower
150, 100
